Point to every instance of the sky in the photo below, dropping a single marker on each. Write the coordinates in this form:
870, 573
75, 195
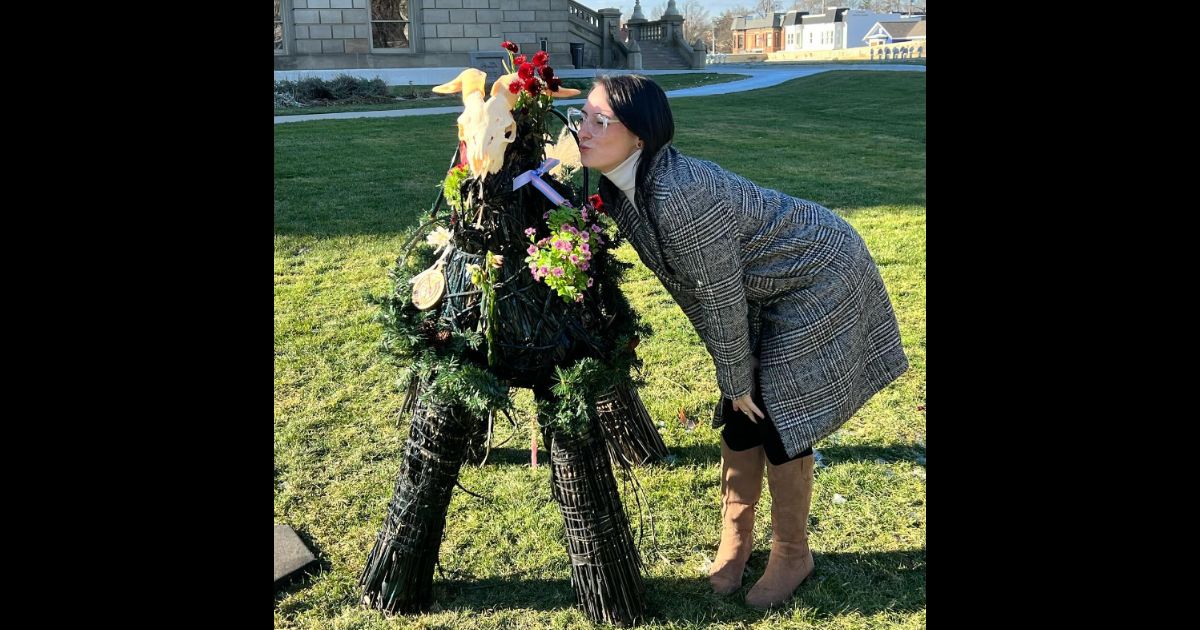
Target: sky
715, 7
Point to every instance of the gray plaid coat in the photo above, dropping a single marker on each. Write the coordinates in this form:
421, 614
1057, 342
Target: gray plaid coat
761, 273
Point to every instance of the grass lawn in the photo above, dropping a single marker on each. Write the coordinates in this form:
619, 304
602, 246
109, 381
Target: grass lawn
346, 194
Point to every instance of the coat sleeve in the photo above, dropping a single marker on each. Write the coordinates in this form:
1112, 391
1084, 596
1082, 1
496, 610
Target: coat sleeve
700, 233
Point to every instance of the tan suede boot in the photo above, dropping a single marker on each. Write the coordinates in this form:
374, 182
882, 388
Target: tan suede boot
791, 561
741, 488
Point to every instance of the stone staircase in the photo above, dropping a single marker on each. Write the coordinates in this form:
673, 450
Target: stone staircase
657, 55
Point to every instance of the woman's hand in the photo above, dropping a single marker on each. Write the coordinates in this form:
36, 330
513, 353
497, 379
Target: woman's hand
745, 404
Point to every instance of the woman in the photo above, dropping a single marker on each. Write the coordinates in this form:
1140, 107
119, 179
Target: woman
785, 296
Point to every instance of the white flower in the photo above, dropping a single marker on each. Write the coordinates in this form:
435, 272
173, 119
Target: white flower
439, 238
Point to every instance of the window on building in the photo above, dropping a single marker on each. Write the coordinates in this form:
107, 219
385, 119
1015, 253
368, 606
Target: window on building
390, 24
279, 47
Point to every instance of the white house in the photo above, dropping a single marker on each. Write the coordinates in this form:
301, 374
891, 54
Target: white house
793, 29
894, 31
836, 28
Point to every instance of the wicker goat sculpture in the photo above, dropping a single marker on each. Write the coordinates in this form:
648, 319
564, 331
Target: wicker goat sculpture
519, 290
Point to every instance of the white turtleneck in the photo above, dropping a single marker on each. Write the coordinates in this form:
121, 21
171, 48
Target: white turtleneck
624, 176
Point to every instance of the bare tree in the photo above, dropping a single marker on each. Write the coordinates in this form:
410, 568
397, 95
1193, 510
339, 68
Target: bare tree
723, 25
812, 6
888, 6
876, 6
767, 8
697, 25
657, 12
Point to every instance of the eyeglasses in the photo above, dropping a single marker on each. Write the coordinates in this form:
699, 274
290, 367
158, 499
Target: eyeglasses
596, 124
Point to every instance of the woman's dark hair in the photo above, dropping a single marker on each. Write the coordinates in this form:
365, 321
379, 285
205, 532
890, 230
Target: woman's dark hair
642, 107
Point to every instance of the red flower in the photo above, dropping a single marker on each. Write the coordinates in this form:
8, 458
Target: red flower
547, 73
519, 61
597, 203
511, 47
514, 87
533, 86
540, 58
525, 71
